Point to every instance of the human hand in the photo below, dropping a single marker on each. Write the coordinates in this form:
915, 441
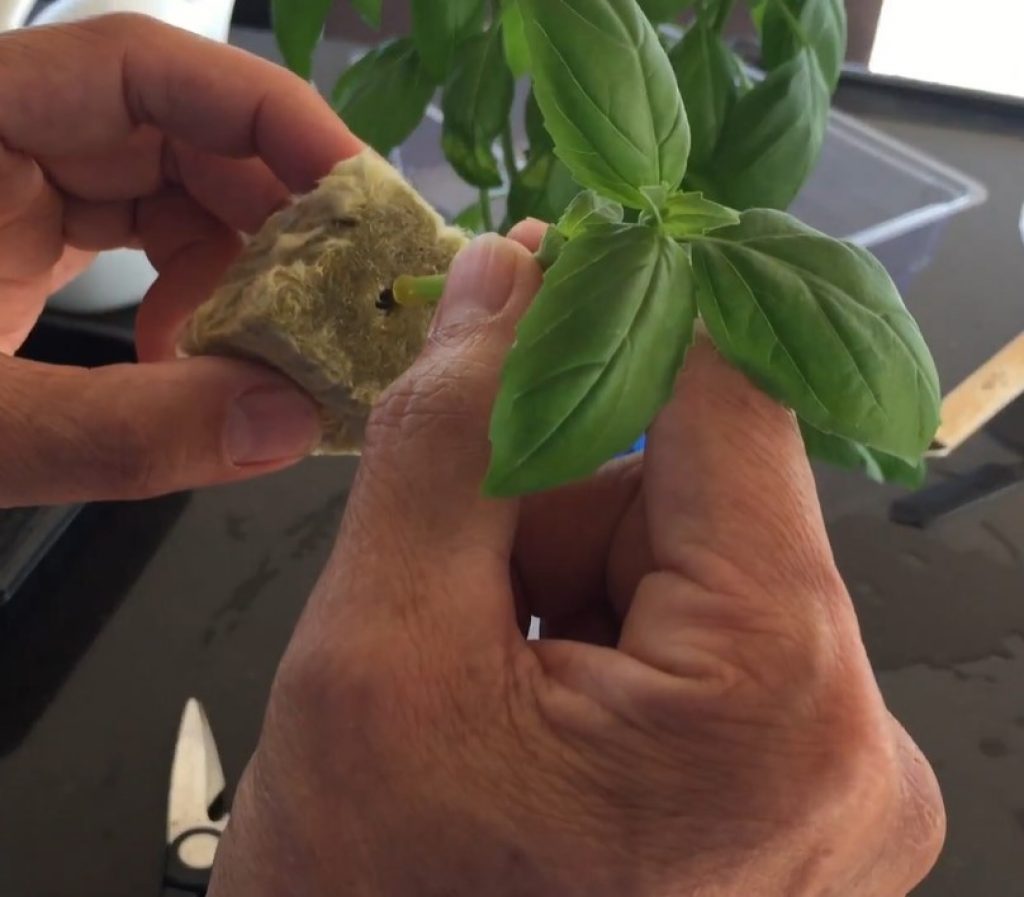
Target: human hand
122, 132
701, 719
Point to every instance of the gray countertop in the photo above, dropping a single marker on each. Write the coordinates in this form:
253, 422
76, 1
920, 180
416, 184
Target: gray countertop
196, 595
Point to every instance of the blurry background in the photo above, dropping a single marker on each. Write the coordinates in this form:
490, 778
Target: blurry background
926, 40
344, 22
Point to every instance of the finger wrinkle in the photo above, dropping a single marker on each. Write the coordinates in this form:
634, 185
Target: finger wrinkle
170, 164
242, 193
256, 124
21, 180
100, 226
132, 100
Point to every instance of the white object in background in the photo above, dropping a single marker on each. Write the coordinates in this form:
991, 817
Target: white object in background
120, 278
975, 46
14, 13
210, 18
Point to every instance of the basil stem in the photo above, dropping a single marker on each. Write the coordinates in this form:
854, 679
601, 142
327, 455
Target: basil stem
486, 213
416, 292
722, 18
793, 22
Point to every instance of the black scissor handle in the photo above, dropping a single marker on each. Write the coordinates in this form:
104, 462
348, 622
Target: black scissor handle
180, 877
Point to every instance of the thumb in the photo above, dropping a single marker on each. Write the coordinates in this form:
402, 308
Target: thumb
136, 431
427, 448
427, 438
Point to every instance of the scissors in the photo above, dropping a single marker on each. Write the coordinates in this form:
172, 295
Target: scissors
195, 821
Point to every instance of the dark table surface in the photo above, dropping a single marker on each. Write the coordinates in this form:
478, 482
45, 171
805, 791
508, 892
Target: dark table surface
151, 603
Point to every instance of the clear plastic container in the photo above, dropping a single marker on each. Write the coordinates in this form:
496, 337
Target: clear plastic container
884, 195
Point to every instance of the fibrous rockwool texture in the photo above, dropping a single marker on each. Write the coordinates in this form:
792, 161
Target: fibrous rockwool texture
304, 295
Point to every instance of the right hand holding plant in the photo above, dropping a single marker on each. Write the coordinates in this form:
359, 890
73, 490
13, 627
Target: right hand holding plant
700, 719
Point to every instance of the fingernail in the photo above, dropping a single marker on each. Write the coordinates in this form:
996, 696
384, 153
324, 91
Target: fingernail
481, 281
271, 423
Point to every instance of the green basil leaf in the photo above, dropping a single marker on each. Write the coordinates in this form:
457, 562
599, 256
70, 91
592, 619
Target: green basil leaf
439, 27
476, 104
820, 25
369, 10
772, 138
587, 211
663, 10
896, 470
595, 358
474, 162
608, 94
690, 214
838, 451
543, 189
819, 325
298, 27
878, 466
704, 69
384, 96
513, 31
540, 139
551, 246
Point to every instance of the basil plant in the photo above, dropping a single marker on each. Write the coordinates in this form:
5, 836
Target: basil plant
664, 170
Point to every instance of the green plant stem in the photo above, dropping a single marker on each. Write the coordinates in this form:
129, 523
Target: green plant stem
508, 153
793, 22
486, 213
722, 19
417, 292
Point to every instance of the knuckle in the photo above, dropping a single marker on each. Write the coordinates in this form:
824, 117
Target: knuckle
797, 667
308, 698
922, 826
822, 779
119, 24
308, 678
129, 461
337, 688
117, 448
849, 763
858, 756
815, 657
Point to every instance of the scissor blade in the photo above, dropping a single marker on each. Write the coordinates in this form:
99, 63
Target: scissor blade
197, 780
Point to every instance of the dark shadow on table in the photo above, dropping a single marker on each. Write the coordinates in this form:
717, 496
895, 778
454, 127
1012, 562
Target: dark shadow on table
52, 621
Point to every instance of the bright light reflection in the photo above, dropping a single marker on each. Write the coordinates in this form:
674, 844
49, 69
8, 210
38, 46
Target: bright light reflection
975, 45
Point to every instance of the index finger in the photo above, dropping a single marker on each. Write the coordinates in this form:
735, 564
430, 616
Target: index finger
101, 79
728, 486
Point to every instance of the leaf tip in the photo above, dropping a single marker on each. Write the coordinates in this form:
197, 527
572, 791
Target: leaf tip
498, 485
